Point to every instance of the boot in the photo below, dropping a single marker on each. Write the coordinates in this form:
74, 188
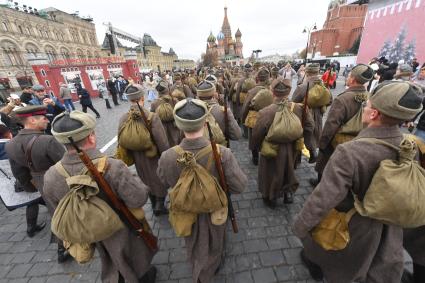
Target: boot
31, 216
314, 182
152, 199
314, 270
288, 197
407, 277
149, 276
245, 132
313, 157
254, 157
418, 273
270, 203
108, 106
63, 254
159, 207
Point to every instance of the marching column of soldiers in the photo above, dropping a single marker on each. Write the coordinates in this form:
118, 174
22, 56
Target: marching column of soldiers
180, 148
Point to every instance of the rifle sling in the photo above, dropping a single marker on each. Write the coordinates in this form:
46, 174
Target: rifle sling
28, 150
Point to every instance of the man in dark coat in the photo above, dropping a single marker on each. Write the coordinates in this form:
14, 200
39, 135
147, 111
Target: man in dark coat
124, 256
112, 90
31, 153
85, 99
374, 252
276, 176
344, 107
205, 245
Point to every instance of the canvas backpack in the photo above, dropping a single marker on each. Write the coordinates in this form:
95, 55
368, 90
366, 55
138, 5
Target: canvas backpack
262, 99
196, 191
133, 134
165, 109
396, 194
218, 135
286, 126
247, 85
319, 95
352, 128
81, 217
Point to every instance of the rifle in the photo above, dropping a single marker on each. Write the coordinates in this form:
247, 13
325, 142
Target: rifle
148, 125
141, 228
223, 182
304, 115
226, 121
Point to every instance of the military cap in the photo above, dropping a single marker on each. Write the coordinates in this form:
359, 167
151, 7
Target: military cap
190, 114
134, 92
177, 76
263, 74
162, 87
211, 78
362, 73
77, 125
312, 68
281, 87
405, 70
31, 110
38, 88
397, 99
205, 89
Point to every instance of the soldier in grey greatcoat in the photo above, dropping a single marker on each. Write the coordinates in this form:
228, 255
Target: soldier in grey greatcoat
237, 106
146, 166
276, 176
180, 85
206, 92
30, 154
124, 254
312, 76
174, 135
206, 243
262, 79
343, 108
375, 249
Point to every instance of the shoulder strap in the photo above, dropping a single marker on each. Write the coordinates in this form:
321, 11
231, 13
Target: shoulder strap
28, 150
100, 162
350, 214
292, 106
61, 170
200, 154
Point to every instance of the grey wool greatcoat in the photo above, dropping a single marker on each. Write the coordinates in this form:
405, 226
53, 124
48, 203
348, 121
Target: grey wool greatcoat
123, 252
343, 108
145, 166
298, 96
237, 106
374, 253
234, 131
46, 151
183, 88
174, 135
277, 175
205, 245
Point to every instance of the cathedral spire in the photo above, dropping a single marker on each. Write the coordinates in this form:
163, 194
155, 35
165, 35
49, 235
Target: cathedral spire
225, 28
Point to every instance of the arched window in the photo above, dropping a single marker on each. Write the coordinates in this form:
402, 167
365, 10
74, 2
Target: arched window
31, 49
21, 30
51, 53
11, 53
80, 54
29, 30
65, 53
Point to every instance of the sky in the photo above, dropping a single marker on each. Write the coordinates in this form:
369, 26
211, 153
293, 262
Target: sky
274, 26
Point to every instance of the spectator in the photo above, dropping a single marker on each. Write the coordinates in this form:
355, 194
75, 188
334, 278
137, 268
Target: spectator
85, 99
120, 85
27, 94
5, 136
403, 73
301, 74
287, 72
103, 92
112, 90
329, 77
65, 94
415, 64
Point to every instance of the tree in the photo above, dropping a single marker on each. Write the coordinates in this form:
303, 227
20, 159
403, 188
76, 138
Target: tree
210, 59
385, 50
355, 48
303, 53
410, 51
397, 50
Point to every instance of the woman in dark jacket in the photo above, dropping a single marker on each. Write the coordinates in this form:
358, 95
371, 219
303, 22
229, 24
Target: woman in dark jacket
85, 99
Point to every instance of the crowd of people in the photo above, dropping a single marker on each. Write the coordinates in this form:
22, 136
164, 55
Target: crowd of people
180, 148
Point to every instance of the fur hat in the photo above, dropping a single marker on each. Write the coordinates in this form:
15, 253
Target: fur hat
312, 69
134, 92
281, 87
190, 114
362, 73
263, 74
205, 89
397, 99
77, 125
162, 87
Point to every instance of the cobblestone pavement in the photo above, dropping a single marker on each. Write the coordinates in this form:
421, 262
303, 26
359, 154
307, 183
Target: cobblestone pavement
264, 250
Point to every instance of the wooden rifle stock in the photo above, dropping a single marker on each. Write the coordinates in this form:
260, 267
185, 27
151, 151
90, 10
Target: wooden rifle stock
147, 124
222, 180
141, 228
226, 122
305, 109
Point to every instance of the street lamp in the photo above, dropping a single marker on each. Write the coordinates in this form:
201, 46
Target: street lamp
256, 52
308, 31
